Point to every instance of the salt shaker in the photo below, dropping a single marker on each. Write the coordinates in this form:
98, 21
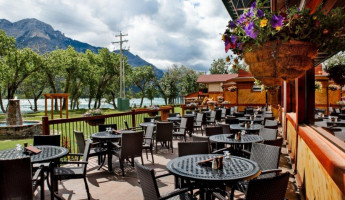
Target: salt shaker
214, 163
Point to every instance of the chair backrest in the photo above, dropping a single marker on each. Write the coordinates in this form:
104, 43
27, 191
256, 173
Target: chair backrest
226, 128
158, 118
213, 130
183, 124
271, 124
232, 121
164, 131
148, 134
330, 109
266, 156
147, 180
268, 188
173, 114
250, 111
235, 109
126, 124
147, 119
277, 142
223, 112
190, 124
213, 116
239, 114
16, 179
191, 148
268, 134
337, 110
227, 111
198, 120
103, 127
86, 155
218, 115
79, 137
132, 144
53, 140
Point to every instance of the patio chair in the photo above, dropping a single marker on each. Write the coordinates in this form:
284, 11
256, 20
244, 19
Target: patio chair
74, 172
198, 122
231, 120
337, 111
212, 118
182, 129
149, 185
239, 114
277, 142
164, 135
190, 125
131, 147
148, 141
218, 115
103, 127
191, 148
173, 114
226, 128
273, 188
213, 130
53, 140
330, 110
16, 180
272, 124
95, 150
268, 134
147, 119
133, 128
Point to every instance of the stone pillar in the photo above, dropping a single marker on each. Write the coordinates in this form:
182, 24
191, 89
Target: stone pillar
14, 116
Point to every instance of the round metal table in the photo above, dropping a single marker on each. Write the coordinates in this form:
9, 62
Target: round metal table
48, 153
234, 170
174, 119
252, 127
145, 124
245, 119
245, 139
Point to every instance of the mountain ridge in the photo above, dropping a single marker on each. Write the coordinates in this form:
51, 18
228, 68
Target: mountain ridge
42, 37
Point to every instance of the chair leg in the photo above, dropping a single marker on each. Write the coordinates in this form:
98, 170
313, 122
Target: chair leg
156, 147
172, 148
142, 160
87, 189
122, 168
152, 155
147, 157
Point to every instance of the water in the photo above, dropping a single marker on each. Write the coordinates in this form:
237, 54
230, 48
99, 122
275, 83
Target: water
24, 123
25, 105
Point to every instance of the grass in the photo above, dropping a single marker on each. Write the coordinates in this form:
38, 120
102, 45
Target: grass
7, 144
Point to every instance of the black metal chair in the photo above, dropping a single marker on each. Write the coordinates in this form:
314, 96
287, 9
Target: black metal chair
226, 128
148, 141
231, 120
149, 185
53, 140
218, 115
132, 128
164, 135
182, 129
268, 133
272, 124
103, 127
273, 188
75, 172
213, 130
131, 147
96, 148
277, 142
212, 118
16, 180
198, 122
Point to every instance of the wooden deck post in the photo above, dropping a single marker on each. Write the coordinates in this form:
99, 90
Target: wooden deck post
45, 126
133, 118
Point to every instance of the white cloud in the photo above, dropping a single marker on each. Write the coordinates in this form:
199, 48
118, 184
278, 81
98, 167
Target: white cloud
163, 32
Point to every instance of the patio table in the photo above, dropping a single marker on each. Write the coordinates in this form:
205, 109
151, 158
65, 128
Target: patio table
145, 124
245, 119
174, 119
234, 170
108, 138
251, 128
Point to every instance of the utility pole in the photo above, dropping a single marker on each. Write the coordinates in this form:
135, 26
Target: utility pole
122, 64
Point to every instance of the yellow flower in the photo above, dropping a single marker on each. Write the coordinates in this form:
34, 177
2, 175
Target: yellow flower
263, 22
223, 37
278, 28
315, 17
227, 59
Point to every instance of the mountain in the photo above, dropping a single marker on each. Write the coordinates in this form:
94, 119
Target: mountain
43, 38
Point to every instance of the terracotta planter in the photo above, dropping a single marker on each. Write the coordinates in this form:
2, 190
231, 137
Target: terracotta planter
275, 61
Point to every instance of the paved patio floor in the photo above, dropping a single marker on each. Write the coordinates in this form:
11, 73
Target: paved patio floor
105, 185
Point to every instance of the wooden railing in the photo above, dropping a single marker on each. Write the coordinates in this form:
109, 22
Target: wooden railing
89, 125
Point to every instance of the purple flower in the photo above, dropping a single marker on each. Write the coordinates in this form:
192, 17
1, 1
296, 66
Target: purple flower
241, 19
233, 39
260, 13
249, 29
277, 21
250, 13
239, 45
232, 25
253, 5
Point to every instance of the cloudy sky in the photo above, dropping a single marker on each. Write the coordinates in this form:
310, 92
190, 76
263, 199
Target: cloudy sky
163, 32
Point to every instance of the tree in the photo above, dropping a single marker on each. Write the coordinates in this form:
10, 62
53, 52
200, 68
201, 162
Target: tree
168, 84
141, 77
219, 67
235, 67
188, 80
151, 92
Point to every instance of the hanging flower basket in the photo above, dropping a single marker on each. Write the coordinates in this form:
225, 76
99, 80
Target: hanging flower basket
275, 61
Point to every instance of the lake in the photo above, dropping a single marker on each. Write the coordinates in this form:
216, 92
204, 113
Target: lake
25, 105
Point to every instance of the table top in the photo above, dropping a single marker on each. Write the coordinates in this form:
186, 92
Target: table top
189, 115
48, 153
104, 135
252, 127
245, 139
256, 119
174, 118
145, 124
235, 168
